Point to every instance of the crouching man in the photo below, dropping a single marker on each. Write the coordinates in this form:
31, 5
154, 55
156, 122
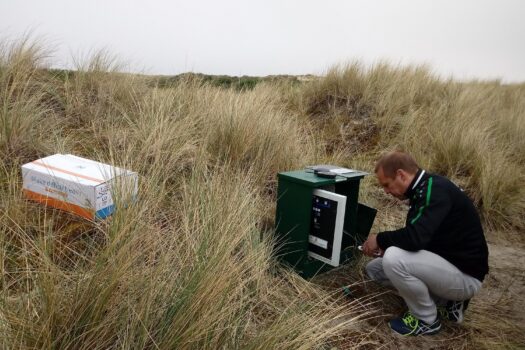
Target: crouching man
438, 261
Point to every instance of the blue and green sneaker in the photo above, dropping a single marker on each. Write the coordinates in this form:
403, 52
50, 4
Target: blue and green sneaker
454, 310
410, 325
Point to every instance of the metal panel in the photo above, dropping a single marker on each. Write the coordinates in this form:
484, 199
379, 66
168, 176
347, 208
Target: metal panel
294, 206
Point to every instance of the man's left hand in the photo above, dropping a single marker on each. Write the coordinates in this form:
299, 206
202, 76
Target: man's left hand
370, 247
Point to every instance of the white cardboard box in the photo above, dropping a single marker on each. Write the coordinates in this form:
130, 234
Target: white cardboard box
78, 185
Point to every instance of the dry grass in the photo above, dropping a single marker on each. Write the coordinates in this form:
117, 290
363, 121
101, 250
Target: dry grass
471, 132
190, 265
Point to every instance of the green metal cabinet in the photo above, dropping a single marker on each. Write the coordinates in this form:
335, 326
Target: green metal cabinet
293, 215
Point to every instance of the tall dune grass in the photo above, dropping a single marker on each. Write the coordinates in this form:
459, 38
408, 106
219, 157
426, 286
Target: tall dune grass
190, 264
471, 132
27, 121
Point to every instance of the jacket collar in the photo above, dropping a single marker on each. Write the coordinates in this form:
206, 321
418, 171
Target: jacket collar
415, 182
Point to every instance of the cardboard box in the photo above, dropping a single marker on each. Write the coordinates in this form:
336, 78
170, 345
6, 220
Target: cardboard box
78, 185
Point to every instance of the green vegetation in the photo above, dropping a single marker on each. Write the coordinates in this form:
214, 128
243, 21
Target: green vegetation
224, 81
190, 265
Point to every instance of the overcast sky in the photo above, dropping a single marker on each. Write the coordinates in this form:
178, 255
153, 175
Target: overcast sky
482, 39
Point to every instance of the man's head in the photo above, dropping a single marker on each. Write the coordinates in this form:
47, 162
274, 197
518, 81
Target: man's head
395, 172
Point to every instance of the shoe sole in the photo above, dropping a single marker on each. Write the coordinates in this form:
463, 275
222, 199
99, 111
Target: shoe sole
434, 332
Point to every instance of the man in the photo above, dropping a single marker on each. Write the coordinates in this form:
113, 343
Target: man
439, 257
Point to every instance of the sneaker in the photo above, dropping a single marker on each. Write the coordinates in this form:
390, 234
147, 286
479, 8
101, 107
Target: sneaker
410, 325
454, 311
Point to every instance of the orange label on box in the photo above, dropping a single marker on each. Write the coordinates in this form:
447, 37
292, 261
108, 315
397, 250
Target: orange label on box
55, 203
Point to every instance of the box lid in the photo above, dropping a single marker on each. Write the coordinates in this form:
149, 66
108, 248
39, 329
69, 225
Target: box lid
308, 178
76, 169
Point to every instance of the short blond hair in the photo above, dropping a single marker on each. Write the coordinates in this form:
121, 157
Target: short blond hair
395, 160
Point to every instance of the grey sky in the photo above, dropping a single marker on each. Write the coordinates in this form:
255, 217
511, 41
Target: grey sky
467, 38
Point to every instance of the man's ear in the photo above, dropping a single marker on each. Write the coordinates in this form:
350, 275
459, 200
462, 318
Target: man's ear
401, 173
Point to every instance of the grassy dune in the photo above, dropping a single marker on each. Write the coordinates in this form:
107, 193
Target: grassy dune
190, 265
471, 132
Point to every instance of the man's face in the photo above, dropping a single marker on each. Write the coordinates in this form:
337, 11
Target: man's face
396, 186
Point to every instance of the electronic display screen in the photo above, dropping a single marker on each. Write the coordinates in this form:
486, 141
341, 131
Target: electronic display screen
322, 225
326, 226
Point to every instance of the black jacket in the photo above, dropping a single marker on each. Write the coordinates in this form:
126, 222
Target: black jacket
443, 220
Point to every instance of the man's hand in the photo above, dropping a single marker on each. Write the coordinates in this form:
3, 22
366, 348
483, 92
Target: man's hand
370, 247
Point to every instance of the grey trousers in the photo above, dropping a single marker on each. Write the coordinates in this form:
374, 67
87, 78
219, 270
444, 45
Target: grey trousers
423, 279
